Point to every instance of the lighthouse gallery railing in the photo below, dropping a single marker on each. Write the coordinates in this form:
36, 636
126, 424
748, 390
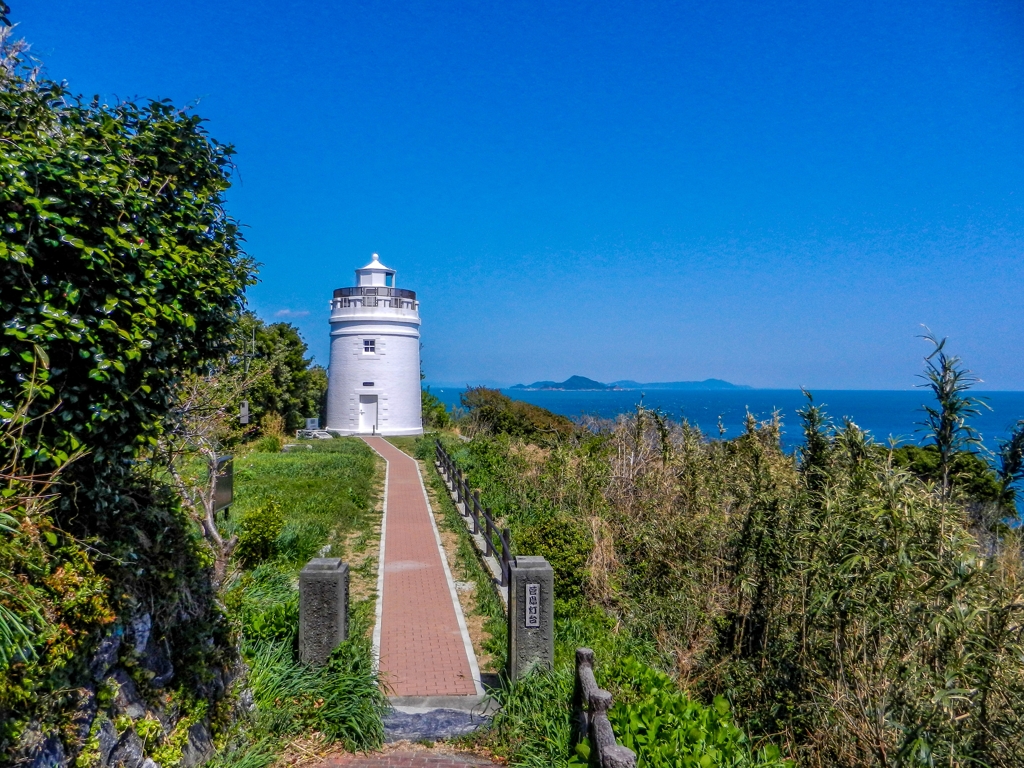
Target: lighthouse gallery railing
377, 290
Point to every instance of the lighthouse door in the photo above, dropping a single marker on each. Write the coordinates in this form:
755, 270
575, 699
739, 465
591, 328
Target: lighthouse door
368, 414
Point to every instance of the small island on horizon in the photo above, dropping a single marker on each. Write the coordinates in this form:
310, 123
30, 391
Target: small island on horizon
583, 384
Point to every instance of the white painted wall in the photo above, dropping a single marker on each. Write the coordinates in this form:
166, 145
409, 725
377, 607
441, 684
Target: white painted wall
391, 372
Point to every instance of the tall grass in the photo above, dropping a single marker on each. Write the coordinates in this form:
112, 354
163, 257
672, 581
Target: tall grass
533, 728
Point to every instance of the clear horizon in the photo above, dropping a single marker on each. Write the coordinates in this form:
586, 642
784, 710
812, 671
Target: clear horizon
495, 384
776, 195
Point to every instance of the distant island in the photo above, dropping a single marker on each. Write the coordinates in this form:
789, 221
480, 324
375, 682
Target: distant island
706, 384
583, 384
572, 384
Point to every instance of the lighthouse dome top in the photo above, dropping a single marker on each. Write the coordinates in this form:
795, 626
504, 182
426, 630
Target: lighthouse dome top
375, 273
375, 265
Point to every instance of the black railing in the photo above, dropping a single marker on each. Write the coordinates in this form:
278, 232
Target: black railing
377, 290
590, 706
467, 501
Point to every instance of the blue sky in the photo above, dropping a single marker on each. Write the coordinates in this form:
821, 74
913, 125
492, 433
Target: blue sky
778, 194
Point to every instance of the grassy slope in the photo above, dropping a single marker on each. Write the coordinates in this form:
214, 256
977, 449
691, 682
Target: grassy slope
323, 496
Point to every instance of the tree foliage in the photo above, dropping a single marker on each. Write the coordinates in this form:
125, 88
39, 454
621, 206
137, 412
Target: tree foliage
970, 476
121, 276
290, 385
947, 422
434, 413
121, 270
1011, 464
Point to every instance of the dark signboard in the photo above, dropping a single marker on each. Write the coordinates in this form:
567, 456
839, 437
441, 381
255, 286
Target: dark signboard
224, 486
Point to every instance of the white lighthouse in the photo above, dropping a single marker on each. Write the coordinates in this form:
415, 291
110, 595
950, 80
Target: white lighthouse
374, 377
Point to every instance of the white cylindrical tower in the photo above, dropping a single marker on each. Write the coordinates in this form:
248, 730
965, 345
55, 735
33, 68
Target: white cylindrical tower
374, 377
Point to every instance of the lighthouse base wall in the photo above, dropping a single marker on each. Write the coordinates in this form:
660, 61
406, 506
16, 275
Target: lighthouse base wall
374, 377
397, 432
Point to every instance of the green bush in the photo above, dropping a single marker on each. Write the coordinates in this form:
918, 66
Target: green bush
565, 543
666, 728
267, 444
258, 532
120, 270
278, 622
435, 415
503, 415
970, 475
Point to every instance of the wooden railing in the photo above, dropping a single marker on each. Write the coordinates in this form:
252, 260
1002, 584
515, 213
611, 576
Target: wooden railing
590, 706
467, 501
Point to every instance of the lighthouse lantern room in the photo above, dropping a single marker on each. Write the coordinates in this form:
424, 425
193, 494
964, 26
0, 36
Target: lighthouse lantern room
374, 376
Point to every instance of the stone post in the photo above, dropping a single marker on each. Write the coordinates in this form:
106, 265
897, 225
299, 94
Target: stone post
323, 608
531, 616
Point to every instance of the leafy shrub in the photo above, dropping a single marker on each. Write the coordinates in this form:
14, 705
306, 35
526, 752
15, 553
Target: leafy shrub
258, 532
268, 444
666, 728
272, 425
435, 414
278, 622
566, 544
503, 415
970, 475
120, 271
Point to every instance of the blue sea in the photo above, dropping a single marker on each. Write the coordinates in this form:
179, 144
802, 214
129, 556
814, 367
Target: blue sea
884, 413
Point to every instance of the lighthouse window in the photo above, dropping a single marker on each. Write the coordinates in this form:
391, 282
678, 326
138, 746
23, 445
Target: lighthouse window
369, 346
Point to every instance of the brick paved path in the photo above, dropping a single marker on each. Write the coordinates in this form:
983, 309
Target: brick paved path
406, 760
423, 648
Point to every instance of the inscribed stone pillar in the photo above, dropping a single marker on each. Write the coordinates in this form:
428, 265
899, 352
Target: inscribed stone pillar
531, 616
323, 608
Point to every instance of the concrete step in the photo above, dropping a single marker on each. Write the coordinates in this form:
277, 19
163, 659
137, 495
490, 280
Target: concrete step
433, 718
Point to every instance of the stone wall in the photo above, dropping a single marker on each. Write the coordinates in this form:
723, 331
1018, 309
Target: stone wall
128, 705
